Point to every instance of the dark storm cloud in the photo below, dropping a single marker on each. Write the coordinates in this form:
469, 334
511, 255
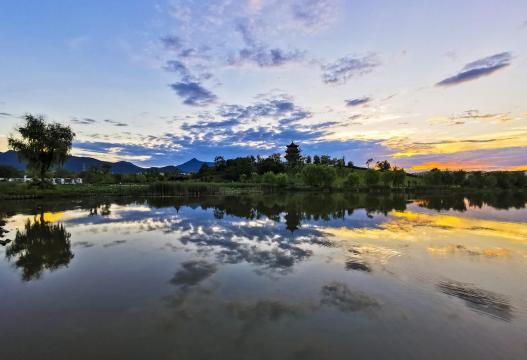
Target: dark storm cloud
358, 101
193, 93
479, 68
340, 71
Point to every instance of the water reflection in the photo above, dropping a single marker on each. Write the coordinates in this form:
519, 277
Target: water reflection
482, 301
341, 297
3, 232
41, 246
193, 272
282, 276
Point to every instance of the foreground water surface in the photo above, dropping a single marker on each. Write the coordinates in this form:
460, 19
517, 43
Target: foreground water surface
286, 276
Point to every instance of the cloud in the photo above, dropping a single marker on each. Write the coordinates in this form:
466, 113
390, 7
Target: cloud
84, 121
340, 71
259, 53
193, 93
314, 14
471, 116
479, 68
178, 67
193, 272
171, 42
115, 123
510, 158
340, 296
358, 101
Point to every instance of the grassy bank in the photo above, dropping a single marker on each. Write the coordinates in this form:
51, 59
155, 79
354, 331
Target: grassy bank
24, 191
11, 191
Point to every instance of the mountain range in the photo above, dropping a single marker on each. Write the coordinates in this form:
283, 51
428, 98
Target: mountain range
77, 164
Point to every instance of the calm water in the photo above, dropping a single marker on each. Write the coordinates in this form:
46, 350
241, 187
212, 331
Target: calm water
265, 277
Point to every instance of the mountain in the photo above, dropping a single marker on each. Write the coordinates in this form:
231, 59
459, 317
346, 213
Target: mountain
193, 165
77, 164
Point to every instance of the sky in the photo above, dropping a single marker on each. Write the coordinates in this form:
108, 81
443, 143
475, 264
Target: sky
422, 84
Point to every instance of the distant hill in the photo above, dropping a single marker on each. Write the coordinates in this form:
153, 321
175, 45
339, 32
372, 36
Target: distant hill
193, 165
78, 164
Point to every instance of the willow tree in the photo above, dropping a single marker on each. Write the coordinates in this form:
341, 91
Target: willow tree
42, 145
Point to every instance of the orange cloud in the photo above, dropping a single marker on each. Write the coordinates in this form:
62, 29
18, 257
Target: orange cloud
469, 166
453, 165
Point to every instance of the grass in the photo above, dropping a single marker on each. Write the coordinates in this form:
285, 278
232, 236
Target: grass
24, 191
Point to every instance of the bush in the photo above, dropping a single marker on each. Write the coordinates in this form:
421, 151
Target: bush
352, 181
372, 177
318, 175
269, 178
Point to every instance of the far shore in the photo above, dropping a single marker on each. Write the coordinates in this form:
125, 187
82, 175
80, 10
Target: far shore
187, 188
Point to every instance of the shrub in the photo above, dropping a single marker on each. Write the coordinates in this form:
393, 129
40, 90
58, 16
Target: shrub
269, 178
281, 180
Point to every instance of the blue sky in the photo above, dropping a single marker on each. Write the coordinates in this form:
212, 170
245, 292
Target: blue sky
423, 84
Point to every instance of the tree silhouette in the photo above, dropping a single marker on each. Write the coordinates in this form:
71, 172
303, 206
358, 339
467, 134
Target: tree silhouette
42, 145
383, 165
368, 162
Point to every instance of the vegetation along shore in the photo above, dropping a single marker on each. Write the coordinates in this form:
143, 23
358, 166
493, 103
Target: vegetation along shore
45, 147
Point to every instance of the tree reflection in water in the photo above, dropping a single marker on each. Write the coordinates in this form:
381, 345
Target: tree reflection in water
41, 246
3, 231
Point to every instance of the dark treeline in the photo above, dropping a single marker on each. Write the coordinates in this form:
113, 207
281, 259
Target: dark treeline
476, 179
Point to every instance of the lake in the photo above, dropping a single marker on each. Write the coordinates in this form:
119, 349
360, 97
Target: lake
279, 276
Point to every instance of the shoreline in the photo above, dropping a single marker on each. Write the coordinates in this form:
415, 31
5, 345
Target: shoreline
196, 189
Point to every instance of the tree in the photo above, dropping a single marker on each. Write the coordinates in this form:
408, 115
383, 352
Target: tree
316, 160
350, 164
325, 160
398, 176
387, 178
352, 180
318, 176
433, 177
383, 165
219, 163
42, 144
308, 160
9, 172
372, 177
272, 163
368, 162
292, 155
459, 177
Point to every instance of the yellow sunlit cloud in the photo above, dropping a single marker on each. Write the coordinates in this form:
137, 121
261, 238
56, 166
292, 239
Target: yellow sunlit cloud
406, 148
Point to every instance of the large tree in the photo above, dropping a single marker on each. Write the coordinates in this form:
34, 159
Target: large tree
42, 145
